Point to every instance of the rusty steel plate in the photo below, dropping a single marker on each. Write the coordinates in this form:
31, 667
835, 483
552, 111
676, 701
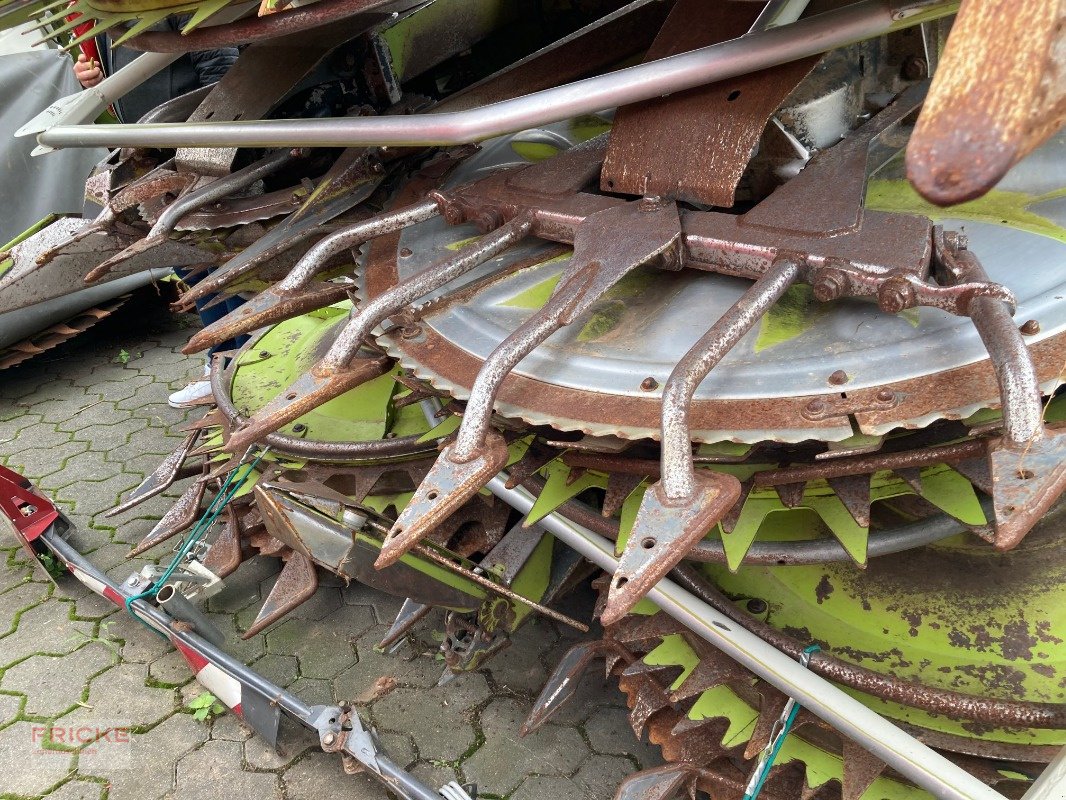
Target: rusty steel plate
594, 375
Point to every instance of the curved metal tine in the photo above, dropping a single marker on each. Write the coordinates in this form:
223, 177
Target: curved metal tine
159, 181
212, 192
607, 246
682, 506
354, 176
284, 299
1028, 464
336, 372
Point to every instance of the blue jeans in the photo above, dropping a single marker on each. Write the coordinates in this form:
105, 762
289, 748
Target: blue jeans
216, 312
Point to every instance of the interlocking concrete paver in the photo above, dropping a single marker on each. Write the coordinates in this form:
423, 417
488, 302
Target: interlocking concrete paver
323, 650
230, 728
599, 776
519, 667
361, 682
126, 687
10, 706
53, 684
156, 753
17, 599
212, 772
318, 775
79, 790
499, 764
610, 733
538, 787
293, 741
46, 628
27, 768
439, 719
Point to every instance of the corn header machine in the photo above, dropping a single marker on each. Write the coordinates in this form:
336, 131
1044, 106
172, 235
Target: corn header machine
751, 314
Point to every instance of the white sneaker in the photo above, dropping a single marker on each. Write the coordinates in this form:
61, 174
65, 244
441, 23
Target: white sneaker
196, 393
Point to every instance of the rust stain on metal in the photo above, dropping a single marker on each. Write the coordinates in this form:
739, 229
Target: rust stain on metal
695, 145
999, 92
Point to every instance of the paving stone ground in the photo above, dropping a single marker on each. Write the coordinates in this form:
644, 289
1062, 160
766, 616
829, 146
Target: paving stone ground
86, 422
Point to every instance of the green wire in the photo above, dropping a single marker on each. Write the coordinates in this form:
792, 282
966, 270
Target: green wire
229, 488
791, 718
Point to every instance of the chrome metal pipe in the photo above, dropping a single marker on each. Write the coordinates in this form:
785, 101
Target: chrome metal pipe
749, 53
912, 759
1051, 785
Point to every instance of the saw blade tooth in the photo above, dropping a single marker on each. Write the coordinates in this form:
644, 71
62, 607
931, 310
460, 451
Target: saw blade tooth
861, 769
770, 709
854, 493
226, 554
912, 476
296, 584
180, 517
791, 494
977, 471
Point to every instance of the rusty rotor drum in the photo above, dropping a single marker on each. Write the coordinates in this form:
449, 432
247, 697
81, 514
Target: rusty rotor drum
898, 372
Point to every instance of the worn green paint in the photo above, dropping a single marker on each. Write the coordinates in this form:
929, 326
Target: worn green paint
998, 207
406, 35
534, 151
561, 485
364, 413
1001, 638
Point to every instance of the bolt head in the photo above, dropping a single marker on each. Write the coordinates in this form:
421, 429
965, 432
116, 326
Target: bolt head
329, 739
649, 384
838, 378
410, 331
886, 395
405, 252
816, 407
1030, 327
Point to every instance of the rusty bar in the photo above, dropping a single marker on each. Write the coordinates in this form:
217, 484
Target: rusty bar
253, 29
940, 454
433, 277
481, 580
678, 469
353, 236
954, 705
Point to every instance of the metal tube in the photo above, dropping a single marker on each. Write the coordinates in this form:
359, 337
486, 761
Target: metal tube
431, 278
289, 703
678, 469
395, 777
912, 759
357, 234
749, 53
218, 189
180, 607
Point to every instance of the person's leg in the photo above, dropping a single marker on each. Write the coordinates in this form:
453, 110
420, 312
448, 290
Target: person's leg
198, 390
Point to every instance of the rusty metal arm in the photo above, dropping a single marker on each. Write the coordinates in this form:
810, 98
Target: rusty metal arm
313, 260
676, 513
334, 374
755, 51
